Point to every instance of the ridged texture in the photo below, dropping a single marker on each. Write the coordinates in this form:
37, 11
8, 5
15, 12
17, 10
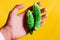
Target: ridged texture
30, 21
37, 15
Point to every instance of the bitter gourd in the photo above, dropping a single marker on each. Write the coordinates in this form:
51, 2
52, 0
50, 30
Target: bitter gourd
37, 15
30, 21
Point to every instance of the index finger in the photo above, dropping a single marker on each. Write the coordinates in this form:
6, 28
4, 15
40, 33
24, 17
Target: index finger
30, 8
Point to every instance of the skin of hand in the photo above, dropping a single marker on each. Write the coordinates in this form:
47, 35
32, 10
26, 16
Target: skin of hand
15, 26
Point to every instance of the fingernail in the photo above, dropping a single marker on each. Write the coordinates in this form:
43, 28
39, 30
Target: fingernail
46, 15
45, 9
39, 3
20, 6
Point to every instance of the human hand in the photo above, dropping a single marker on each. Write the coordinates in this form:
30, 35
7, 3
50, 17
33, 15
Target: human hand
17, 23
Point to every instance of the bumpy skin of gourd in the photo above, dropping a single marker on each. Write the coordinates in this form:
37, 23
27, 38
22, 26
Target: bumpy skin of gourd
37, 16
30, 21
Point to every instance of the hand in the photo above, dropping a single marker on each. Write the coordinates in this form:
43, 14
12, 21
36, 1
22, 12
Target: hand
17, 23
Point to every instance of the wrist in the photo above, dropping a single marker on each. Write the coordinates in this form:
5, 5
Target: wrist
6, 32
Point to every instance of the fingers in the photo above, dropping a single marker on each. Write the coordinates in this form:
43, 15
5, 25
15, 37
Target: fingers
43, 10
44, 16
42, 23
30, 8
16, 8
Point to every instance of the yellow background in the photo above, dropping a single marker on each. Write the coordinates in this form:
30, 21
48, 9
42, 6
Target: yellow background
50, 31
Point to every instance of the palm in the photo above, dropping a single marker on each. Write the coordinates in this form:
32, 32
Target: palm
17, 24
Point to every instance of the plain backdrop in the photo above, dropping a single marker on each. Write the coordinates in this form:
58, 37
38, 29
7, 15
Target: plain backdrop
50, 31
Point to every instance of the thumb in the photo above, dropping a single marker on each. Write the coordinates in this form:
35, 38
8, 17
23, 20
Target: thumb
16, 8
